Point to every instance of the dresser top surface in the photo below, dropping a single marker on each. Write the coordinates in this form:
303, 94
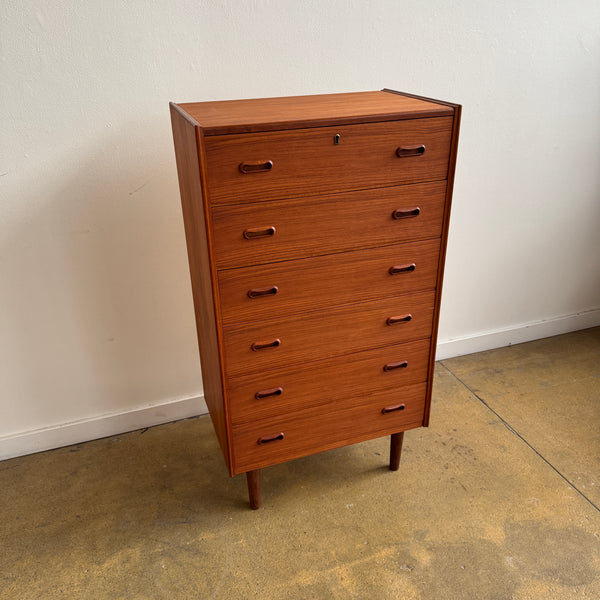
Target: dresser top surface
293, 112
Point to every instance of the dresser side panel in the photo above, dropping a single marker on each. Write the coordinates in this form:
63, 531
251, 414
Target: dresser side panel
442, 259
196, 232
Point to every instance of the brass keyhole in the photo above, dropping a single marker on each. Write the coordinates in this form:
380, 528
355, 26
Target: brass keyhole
336, 139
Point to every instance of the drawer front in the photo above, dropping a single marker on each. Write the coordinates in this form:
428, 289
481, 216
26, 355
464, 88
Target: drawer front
264, 232
333, 381
284, 164
317, 335
322, 428
285, 288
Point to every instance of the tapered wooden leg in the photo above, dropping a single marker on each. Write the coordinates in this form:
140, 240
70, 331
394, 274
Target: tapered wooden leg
253, 478
396, 450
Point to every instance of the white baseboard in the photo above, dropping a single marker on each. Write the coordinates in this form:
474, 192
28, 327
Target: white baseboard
526, 332
57, 436
47, 438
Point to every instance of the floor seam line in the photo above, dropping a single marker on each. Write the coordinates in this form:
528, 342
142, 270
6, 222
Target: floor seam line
517, 434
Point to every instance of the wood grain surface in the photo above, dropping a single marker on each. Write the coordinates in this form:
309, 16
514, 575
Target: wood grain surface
306, 161
323, 334
326, 427
198, 246
292, 112
326, 281
332, 381
330, 223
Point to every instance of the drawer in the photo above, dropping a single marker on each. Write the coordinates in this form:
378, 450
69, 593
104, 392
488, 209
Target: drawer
323, 428
285, 288
332, 381
322, 334
284, 164
261, 232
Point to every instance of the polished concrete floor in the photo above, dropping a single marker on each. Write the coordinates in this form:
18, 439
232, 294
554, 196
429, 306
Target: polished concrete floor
498, 499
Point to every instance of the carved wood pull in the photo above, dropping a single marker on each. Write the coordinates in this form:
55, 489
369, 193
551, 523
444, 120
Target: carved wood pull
396, 365
406, 213
404, 151
262, 345
260, 166
271, 438
258, 292
396, 269
266, 393
401, 319
257, 232
389, 409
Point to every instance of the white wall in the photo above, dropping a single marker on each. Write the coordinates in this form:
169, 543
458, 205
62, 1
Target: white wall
96, 322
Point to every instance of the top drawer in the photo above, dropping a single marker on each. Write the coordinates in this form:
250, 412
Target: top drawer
283, 164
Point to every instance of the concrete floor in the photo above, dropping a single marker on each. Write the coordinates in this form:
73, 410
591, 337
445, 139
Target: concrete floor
498, 499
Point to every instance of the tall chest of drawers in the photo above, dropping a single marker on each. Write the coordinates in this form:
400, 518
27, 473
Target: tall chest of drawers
316, 230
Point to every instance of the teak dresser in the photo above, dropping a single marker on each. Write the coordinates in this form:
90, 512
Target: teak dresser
316, 230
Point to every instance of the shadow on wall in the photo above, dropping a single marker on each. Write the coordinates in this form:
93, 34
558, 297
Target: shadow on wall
96, 289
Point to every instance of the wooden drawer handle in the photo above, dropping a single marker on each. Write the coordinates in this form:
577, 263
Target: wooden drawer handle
396, 269
266, 393
396, 365
262, 345
406, 213
404, 151
258, 232
389, 409
258, 292
260, 166
401, 319
271, 438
